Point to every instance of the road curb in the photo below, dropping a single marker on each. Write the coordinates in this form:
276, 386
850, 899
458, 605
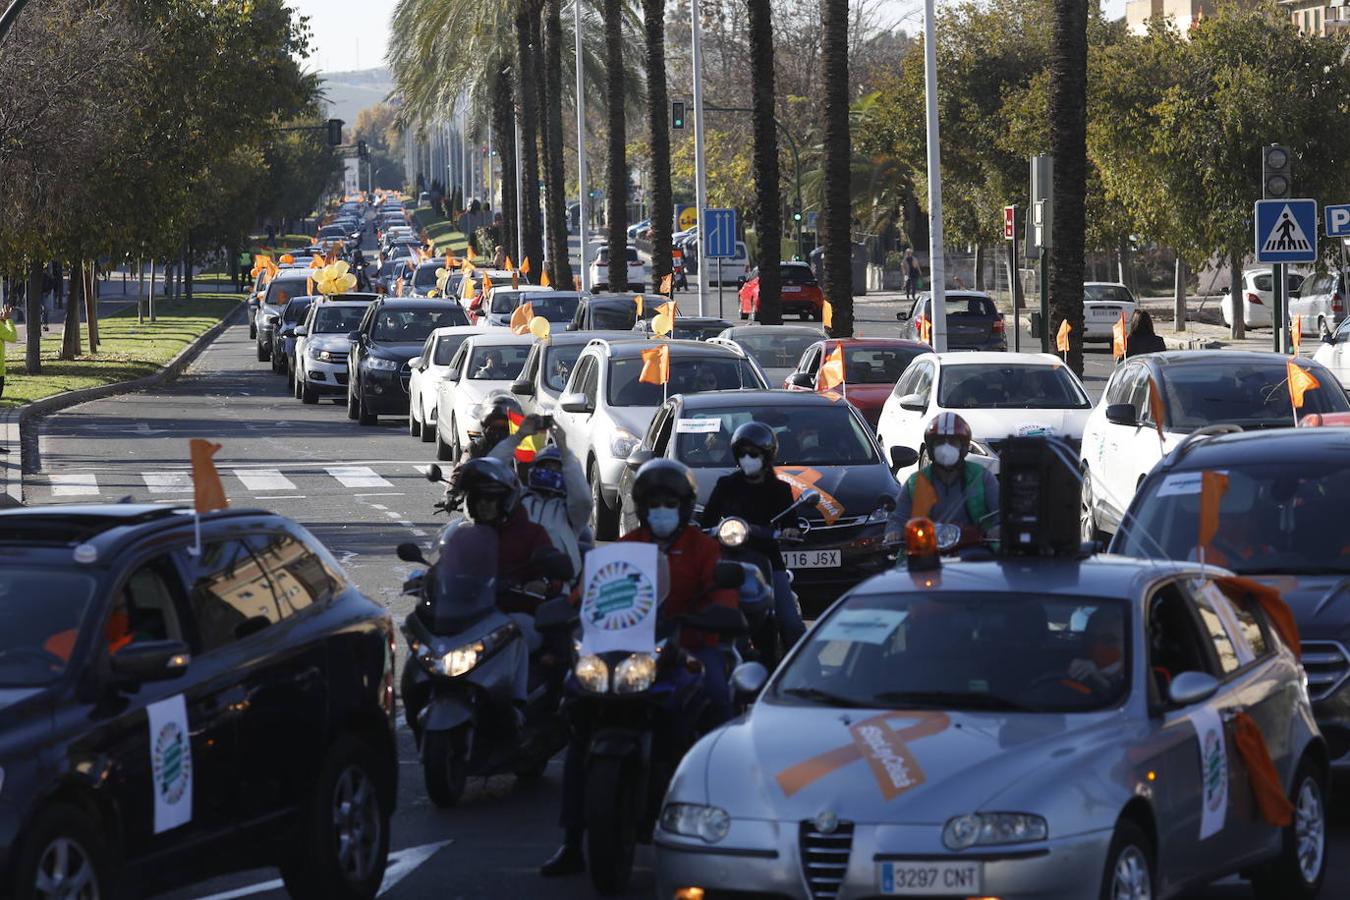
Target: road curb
13, 421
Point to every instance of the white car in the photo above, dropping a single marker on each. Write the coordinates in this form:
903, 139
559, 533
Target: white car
427, 372
1258, 297
1000, 395
487, 362
501, 302
1334, 353
1103, 302
735, 269
639, 274
321, 347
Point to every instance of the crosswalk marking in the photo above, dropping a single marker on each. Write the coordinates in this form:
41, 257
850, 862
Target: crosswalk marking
74, 484
357, 476
277, 481
264, 480
168, 482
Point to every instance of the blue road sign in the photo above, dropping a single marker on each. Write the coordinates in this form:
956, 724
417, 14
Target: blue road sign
1286, 231
720, 241
1337, 219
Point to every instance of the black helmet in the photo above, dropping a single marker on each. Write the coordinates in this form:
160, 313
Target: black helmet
758, 436
484, 479
498, 406
665, 476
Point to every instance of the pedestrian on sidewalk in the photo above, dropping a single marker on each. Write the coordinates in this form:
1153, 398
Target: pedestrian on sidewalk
1142, 338
912, 275
8, 335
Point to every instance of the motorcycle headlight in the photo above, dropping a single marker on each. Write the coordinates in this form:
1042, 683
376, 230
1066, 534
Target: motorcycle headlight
693, 820
592, 674
635, 674
380, 363
993, 828
461, 659
622, 443
733, 532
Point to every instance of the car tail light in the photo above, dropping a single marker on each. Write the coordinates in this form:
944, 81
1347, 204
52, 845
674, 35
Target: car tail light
1254, 300
998, 325
1336, 304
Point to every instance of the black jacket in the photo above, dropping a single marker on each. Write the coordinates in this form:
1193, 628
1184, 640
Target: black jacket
736, 495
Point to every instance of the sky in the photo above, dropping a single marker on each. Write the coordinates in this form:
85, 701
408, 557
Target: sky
353, 34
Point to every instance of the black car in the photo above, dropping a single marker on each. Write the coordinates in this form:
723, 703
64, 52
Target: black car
283, 336
171, 711
688, 328
393, 331
973, 321
606, 312
1281, 522
823, 444
290, 282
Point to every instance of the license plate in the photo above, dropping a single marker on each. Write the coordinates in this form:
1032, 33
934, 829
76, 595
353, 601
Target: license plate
910, 879
791, 289
1106, 312
811, 559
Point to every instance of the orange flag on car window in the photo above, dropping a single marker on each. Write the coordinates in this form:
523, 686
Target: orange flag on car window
668, 284
510, 266
1213, 485
520, 319
656, 365
207, 491
487, 283
1300, 382
1155, 406
1119, 338
576, 282
637, 301
544, 280
468, 251
832, 370
1062, 338
525, 266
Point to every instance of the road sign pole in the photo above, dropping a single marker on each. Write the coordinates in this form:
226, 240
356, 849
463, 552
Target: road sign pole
1016, 293
1045, 300
719, 287
936, 267
700, 184
1277, 316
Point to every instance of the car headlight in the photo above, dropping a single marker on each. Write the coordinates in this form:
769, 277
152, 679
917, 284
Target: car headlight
733, 532
592, 674
459, 660
622, 443
380, 363
635, 674
880, 514
993, 828
693, 820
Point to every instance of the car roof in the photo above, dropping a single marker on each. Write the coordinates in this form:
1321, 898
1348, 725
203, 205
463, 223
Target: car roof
416, 302
455, 329
1286, 446
753, 398
736, 331
956, 293
500, 337
996, 357
881, 342
346, 304
585, 337
628, 349
1169, 358
701, 320
611, 300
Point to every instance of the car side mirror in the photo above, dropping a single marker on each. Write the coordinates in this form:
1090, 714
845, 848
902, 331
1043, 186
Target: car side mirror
747, 680
639, 457
903, 458
301, 331
138, 663
452, 375
1122, 414
523, 387
902, 316
354, 337
575, 402
412, 553
415, 364
1328, 337
1189, 688
914, 402
802, 380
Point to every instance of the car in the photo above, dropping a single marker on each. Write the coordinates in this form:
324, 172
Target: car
1103, 304
929, 737
428, 373
322, 343
636, 229
800, 293
733, 270
686, 328
288, 283
484, 282
871, 368
385, 278
1334, 352
638, 274
1320, 301
558, 307
549, 366
1258, 297
283, 337
423, 279
255, 296
393, 331
1121, 442
1000, 395
605, 408
335, 232
183, 697
487, 362
823, 444
776, 348
606, 312
973, 321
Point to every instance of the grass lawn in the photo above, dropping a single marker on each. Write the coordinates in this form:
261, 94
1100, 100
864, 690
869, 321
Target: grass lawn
441, 232
126, 350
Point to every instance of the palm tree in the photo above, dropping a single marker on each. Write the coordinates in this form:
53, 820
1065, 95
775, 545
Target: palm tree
532, 247
662, 204
504, 140
768, 221
836, 208
616, 212
555, 217
1068, 144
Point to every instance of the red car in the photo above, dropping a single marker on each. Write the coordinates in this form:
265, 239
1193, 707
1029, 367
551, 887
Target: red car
872, 366
800, 292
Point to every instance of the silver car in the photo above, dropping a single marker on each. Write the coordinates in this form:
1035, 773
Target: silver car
1016, 728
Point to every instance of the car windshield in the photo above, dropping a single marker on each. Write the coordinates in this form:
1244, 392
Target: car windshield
697, 332
498, 363
613, 317
556, 309
41, 611
774, 350
796, 275
1116, 293
295, 310
1273, 518
688, 375
425, 276
558, 364
1005, 652
338, 319
966, 307
1251, 395
408, 325
877, 365
1002, 386
825, 435
446, 346
505, 301
283, 289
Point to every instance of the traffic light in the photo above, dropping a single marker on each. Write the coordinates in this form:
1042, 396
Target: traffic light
361, 150
334, 132
797, 211
1277, 177
677, 114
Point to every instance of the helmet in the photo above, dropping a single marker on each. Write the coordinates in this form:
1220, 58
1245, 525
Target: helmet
487, 479
544, 478
665, 476
946, 428
498, 406
758, 436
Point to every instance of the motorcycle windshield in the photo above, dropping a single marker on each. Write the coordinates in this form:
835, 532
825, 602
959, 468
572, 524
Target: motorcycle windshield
464, 579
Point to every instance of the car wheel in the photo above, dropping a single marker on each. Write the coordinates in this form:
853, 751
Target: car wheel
444, 452
308, 395
428, 431
297, 384
1299, 869
414, 424
363, 414
1129, 865
252, 331
352, 410
604, 522
344, 840
61, 855
1087, 513
805, 315
263, 355
444, 767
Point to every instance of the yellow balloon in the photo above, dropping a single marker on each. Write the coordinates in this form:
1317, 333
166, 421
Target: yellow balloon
539, 327
341, 267
661, 324
346, 283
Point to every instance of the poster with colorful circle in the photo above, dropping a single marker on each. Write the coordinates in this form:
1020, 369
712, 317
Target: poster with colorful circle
619, 599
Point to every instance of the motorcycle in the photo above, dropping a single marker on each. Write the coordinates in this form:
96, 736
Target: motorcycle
459, 687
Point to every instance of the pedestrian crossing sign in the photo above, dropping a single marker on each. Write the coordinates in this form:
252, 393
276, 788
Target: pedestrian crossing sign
1286, 231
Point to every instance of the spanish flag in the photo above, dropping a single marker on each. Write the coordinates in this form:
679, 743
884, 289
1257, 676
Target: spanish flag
656, 365
1300, 382
529, 446
520, 319
832, 370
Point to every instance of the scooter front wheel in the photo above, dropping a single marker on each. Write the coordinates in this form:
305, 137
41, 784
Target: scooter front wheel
613, 798
444, 767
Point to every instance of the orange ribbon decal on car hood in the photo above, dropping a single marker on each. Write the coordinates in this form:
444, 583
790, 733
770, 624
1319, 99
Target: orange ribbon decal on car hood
806, 479
894, 767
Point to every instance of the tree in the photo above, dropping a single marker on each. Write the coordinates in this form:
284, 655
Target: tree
1068, 146
837, 210
527, 15
658, 128
616, 210
555, 199
768, 219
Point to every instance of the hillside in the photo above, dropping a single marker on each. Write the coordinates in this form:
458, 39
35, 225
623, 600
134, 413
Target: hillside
350, 92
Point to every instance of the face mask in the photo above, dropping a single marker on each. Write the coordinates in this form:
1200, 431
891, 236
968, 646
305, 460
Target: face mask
663, 521
946, 455
751, 465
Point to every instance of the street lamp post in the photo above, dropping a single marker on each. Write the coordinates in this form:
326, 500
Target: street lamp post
936, 268
583, 194
700, 184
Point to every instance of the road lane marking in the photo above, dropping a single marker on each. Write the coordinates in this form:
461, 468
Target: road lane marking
382, 494
357, 476
263, 480
282, 497
74, 484
402, 863
168, 482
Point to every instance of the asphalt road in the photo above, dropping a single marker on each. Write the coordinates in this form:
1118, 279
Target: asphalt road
360, 491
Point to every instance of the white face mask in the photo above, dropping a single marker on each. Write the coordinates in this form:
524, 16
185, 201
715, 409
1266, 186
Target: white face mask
663, 521
946, 455
751, 465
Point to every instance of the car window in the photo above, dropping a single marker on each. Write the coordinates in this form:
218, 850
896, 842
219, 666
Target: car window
807, 436
773, 350
300, 578
1118, 391
425, 276
558, 364
810, 362
446, 345
37, 639
588, 380
228, 593
613, 317
295, 311
283, 288
413, 325
556, 309
499, 363
1247, 394
1263, 282
504, 301
923, 381
795, 274
688, 375
1220, 641
662, 439
967, 307
1007, 386
1117, 293
1343, 333
1175, 643
338, 319
877, 365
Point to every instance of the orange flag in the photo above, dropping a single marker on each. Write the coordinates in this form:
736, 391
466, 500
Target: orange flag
487, 283
668, 284
670, 308
1062, 338
309, 287
398, 288
1300, 382
925, 329
1119, 339
656, 365
520, 319
576, 282
1271, 799
525, 266
510, 266
1296, 333
832, 370
450, 261
637, 301
827, 315
1155, 406
468, 251
207, 491
544, 280
1213, 485
316, 261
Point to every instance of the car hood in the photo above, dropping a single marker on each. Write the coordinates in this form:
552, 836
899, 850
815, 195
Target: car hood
633, 418
997, 424
400, 352
329, 342
1321, 603
921, 767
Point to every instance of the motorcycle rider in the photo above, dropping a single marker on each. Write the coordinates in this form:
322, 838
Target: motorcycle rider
664, 492
949, 489
557, 496
756, 494
494, 424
